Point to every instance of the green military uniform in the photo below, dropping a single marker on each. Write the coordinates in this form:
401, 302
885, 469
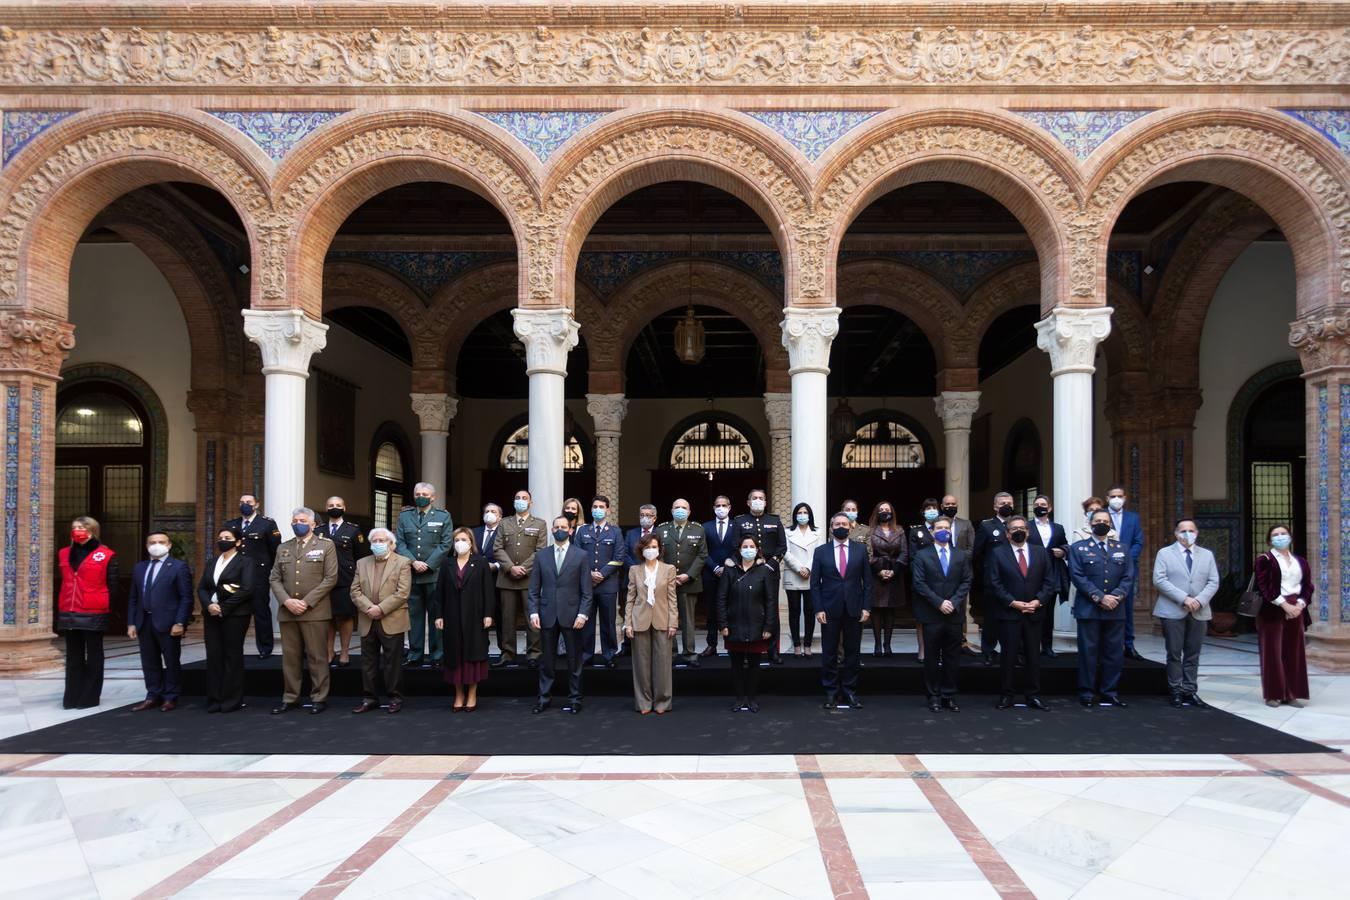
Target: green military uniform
684, 546
518, 539
424, 536
307, 571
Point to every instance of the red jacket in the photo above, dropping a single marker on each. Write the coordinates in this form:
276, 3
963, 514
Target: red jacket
1268, 585
85, 590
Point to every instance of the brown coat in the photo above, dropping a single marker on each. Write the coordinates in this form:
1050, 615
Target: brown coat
391, 596
637, 613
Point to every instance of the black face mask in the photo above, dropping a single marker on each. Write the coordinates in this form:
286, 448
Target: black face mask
840, 532
571, 516
1018, 537
1005, 510
949, 511
335, 512
224, 546
1042, 512
246, 509
883, 517
1101, 529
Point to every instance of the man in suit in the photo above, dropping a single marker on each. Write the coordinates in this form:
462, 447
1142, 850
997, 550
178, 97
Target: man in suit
424, 538
603, 543
302, 577
684, 547
992, 532
941, 575
963, 539
1102, 574
841, 594
560, 605
768, 530
1047, 533
646, 525
158, 608
380, 591
1022, 582
520, 537
1126, 524
261, 539
485, 536
720, 536
351, 546
1187, 578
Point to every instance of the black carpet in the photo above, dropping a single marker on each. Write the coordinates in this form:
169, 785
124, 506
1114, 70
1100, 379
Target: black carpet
698, 725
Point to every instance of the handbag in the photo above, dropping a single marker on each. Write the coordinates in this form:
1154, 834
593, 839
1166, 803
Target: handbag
1249, 604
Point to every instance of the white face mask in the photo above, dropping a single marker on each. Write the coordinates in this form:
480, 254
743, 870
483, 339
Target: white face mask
650, 553
461, 547
158, 551
646, 521
1187, 537
1116, 503
489, 518
757, 506
721, 511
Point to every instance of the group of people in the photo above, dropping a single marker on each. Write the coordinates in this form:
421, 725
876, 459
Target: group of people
428, 594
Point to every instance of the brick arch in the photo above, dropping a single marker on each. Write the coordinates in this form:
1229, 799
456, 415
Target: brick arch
909, 291
354, 284
56, 186
647, 148
1281, 165
1014, 286
322, 183
1008, 159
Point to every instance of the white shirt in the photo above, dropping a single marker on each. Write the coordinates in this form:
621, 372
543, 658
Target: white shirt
1116, 517
835, 554
650, 580
221, 563
1291, 575
1045, 529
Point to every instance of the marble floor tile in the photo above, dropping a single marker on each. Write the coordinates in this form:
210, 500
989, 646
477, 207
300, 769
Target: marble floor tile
520, 875
743, 848
463, 848
1177, 871
800, 875
680, 822
673, 873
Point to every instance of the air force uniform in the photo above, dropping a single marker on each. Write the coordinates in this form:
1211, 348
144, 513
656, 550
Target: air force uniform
1098, 567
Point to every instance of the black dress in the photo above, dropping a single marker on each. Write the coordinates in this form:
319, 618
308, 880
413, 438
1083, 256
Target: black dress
463, 598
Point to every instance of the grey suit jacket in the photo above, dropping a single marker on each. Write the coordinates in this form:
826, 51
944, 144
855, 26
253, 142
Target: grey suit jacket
559, 597
1175, 584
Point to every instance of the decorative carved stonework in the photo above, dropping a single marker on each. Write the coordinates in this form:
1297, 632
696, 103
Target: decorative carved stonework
472, 54
957, 409
434, 411
807, 335
33, 344
778, 410
1071, 337
1322, 341
548, 335
607, 412
287, 338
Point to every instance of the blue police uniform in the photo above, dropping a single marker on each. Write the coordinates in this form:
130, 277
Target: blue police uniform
1097, 567
606, 549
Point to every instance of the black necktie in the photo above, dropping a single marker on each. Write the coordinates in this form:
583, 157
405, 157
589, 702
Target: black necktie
150, 574
1102, 544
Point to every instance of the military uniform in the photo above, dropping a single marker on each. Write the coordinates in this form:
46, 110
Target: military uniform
351, 546
305, 570
768, 530
258, 542
685, 547
1097, 567
423, 536
604, 546
518, 539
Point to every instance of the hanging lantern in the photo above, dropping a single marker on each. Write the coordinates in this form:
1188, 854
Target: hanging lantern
689, 339
843, 421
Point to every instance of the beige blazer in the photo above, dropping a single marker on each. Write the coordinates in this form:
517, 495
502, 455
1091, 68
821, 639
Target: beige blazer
391, 597
640, 616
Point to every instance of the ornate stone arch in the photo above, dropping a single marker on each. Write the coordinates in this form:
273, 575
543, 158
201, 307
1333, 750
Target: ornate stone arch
351, 283
52, 190
913, 293
1014, 286
1293, 174
324, 182
1005, 158
650, 147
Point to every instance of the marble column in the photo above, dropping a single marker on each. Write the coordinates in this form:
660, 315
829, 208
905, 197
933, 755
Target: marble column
1071, 337
807, 335
957, 409
607, 413
548, 335
287, 339
32, 349
1323, 344
778, 411
434, 412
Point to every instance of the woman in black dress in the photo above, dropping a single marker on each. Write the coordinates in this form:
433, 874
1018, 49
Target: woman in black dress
745, 603
463, 607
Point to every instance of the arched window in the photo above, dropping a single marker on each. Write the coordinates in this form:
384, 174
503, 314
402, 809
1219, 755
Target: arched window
710, 443
1022, 465
513, 451
885, 440
389, 470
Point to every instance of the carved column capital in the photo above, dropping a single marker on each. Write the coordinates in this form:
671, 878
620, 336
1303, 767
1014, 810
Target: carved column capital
607, 412
287, 339
778, 410
807, 335
1322, 340
35, 344
434, 411
548, 335
1071, 337
956, 409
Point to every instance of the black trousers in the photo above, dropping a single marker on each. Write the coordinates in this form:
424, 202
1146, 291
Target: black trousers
942, 643
1021, 636
262, 611
606, 608
84, 669
1048, 626
775, 628
161, 655
381, 655
745, 675
847, 629
224, 639
548, 642
799, 607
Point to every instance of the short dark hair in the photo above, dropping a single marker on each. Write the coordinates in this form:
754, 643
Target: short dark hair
1117, 487
1271, 530
153, 532
1016, 518
600, 498
238, 535
1041, 497
652, 537
929, 501
754, 491
722, 497
942, 519
1100, 512
1187, 519
564, 518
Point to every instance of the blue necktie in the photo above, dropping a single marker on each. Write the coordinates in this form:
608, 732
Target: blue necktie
943, 555
1188, 560
150, 574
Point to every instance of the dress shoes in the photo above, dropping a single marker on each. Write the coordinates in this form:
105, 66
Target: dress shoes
1050, 654
852, 701
284, 708
572, 709
1131, 653
365, 707
316, 708
933, 706
213, 707
989, 660
144, 705
412, 661
1177, 701
967, 650
539, 707
532, 663
830, 702
499, 663
264, 654
949, 703
737, 705
1297, 703
1037, 703
1005, 702
168, 706
1087, 702
396, 705
1194, 700
611, 664
709, 650
1115, 701
235, 708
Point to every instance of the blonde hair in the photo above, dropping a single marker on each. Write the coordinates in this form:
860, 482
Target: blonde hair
89, 522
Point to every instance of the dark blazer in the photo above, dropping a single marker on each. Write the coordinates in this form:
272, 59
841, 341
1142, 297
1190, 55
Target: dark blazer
746, 602
464, 608
234, 590
1131, 534
964, 539
768, 530
919, 537
1058, 541
1268, 585
559, 597
835, 595
482, 549
1006, 583
169, 602
931, 587
630, 540
605, 547
258, 543
1095, 575
988, 533
718, 551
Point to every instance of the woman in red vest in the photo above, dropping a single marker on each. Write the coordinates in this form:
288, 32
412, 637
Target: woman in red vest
88, 572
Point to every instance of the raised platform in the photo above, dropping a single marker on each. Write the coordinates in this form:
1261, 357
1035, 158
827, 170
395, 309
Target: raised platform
899, 674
